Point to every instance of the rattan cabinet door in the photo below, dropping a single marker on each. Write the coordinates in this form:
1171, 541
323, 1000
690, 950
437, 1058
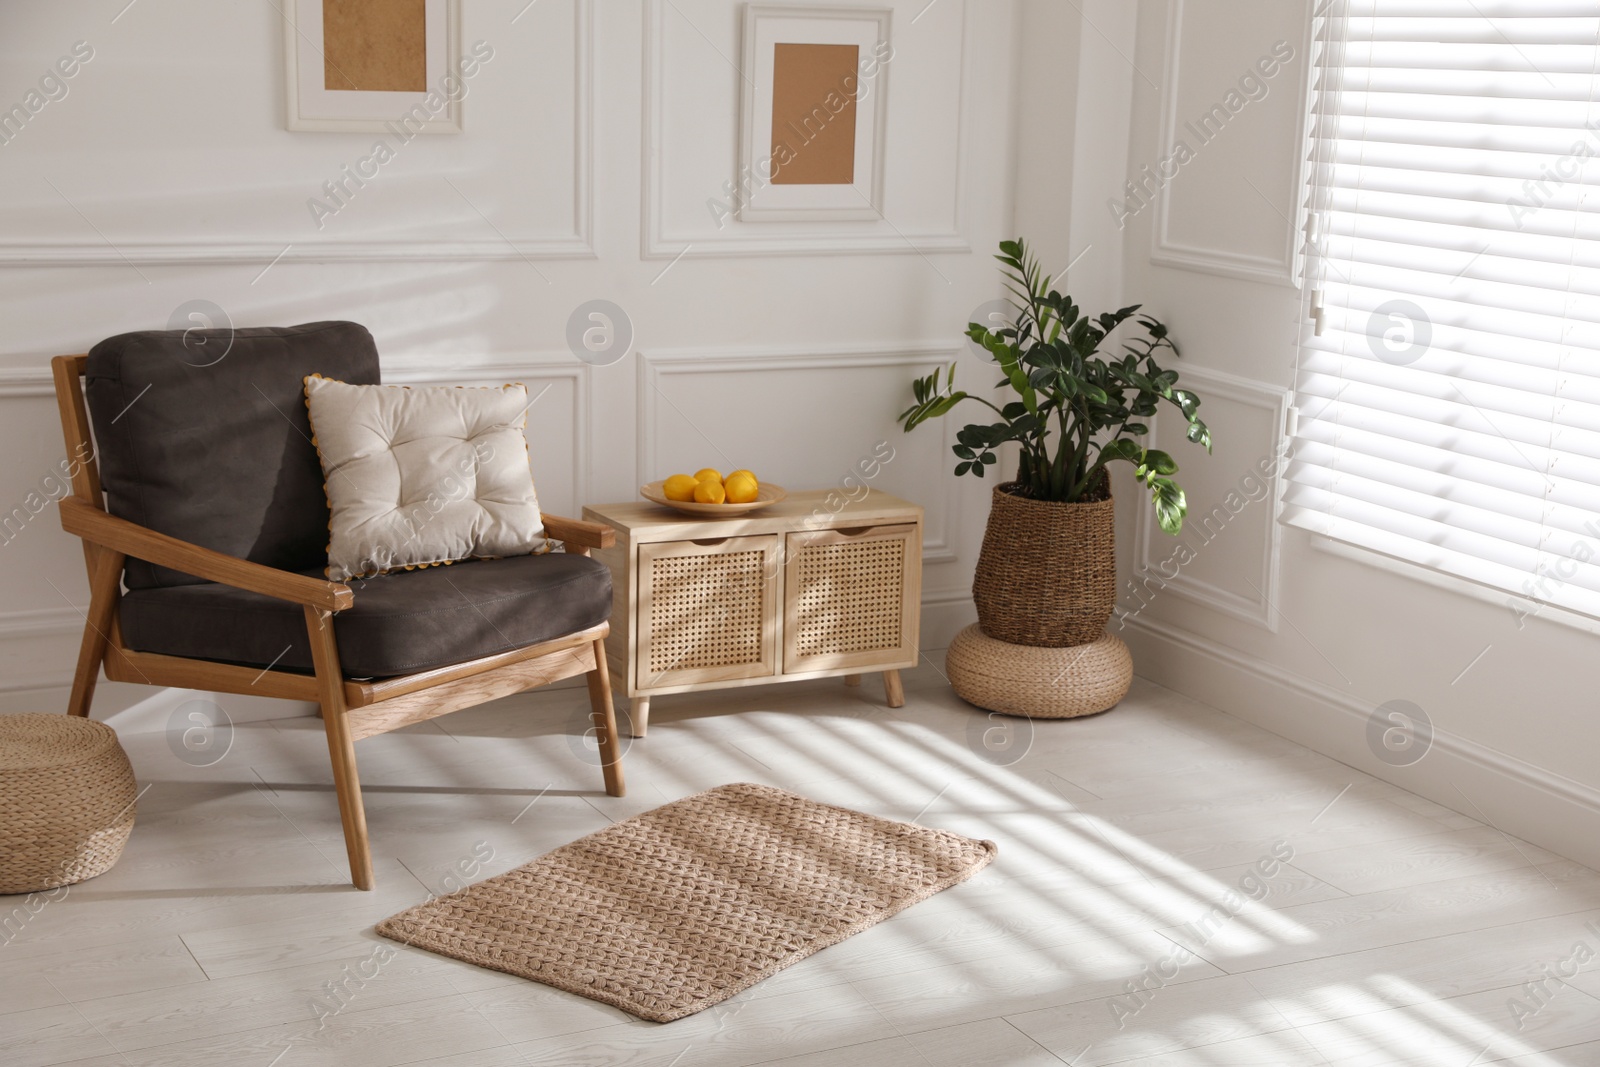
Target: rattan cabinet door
851, 599
708, 611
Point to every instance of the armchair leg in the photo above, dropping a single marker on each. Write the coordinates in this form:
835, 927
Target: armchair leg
341, 745
603, 714
105, 573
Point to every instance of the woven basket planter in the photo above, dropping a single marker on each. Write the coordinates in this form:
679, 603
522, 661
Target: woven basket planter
1047, 573
1041, 683
66, 801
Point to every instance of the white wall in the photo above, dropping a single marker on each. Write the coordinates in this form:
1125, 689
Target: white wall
1263, 622
594, 138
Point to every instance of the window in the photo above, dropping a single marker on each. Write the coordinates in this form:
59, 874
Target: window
1447, 408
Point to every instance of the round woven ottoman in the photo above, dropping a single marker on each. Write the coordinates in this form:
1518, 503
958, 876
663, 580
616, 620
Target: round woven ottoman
1041, 683
66, 801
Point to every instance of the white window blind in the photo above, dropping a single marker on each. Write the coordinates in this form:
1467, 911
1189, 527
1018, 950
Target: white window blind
1447, 406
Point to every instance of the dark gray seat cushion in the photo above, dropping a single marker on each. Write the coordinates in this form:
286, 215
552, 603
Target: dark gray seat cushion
203, 435
401, 623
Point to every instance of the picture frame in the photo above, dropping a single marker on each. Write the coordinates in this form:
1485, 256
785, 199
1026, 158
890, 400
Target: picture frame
411, 67
813, 116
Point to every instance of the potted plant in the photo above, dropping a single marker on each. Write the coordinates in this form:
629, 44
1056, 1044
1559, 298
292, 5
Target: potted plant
1046, 575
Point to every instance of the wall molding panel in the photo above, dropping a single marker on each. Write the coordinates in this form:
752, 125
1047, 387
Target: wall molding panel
1256, 606
938, 543
207, 254
22, 382
1281, 268
41, 622
529, 368
577, 244
785, 239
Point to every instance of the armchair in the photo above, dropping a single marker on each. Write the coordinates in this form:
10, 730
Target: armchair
203, 519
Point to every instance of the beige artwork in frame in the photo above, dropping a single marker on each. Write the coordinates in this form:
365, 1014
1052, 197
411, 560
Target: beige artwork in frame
813, 113
367, 65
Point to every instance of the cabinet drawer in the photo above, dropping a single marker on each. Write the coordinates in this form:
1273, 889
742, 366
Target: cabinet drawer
850, 598
708, 611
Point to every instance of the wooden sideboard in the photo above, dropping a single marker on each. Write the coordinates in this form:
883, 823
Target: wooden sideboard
811, 587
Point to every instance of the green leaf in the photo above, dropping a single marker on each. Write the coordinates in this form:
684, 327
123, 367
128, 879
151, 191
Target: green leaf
1160, 462
1122, 449
962, 468
1171, 505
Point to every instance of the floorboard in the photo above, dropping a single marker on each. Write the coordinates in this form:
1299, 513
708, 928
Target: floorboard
1315, 915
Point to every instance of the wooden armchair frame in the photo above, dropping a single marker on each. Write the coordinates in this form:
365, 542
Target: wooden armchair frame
350, 710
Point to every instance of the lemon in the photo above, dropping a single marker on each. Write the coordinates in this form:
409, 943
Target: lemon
710, 492
708, 474
679, 487
742, 488
745, 473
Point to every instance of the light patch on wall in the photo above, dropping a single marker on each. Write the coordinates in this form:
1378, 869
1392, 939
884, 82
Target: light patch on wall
814, 114
375, 45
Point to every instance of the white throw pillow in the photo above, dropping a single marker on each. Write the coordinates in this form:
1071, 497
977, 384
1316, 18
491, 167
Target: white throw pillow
425, 476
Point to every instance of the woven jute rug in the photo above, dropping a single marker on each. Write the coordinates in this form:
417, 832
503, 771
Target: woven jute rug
678, 909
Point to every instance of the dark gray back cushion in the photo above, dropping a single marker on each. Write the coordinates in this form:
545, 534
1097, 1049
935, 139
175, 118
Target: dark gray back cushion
203, 435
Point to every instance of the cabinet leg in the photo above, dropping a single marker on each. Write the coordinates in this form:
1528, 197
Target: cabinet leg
640, 715
893, 690
852, 680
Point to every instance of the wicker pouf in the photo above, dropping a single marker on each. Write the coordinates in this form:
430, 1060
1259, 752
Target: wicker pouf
1042, 683
66, 801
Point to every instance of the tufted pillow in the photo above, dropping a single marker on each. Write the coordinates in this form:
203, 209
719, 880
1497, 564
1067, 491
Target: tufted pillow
420, 477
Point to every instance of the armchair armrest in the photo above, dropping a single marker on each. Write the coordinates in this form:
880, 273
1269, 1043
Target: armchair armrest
90, 523
579, 532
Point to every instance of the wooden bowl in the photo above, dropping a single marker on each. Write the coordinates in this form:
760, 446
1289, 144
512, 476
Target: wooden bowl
768, 494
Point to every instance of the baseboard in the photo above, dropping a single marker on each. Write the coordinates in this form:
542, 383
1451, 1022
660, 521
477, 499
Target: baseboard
943, 616
38, 648
142, 708
1517, 797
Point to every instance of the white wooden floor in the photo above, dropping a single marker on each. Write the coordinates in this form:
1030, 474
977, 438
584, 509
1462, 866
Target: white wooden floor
1399, 933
